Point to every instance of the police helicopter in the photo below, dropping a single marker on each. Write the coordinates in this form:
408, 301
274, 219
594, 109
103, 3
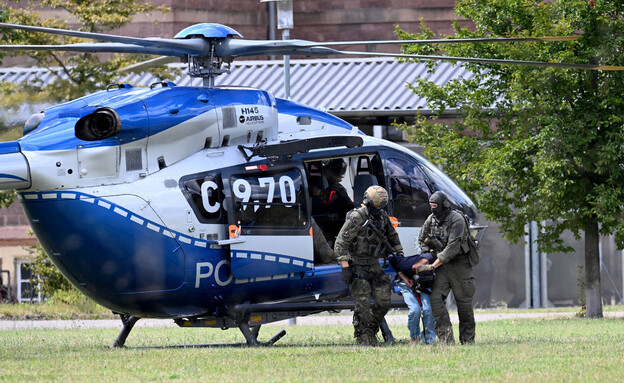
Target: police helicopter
204, 204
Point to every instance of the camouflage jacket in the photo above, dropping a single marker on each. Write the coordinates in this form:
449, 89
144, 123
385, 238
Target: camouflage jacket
359, 244
449, 233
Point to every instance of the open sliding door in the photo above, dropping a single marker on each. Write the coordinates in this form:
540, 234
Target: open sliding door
268, 221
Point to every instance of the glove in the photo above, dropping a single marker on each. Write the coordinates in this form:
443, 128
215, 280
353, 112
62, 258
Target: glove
347, 275
400, 254
422, 268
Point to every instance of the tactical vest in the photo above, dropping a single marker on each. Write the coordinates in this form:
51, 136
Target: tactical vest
440, 231
367, 248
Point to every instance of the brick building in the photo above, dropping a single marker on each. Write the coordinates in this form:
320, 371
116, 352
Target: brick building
319, 20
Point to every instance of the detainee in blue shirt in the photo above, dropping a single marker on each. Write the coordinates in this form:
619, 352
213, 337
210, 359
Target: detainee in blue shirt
416, 290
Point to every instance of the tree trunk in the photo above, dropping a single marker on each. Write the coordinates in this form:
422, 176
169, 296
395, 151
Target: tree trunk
593, 296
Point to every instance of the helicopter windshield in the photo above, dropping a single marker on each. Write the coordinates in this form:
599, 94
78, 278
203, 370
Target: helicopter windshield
442, 182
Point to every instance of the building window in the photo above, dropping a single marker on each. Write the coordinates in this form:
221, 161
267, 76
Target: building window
26, 290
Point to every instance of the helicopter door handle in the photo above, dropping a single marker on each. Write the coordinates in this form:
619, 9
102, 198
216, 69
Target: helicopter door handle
231, 241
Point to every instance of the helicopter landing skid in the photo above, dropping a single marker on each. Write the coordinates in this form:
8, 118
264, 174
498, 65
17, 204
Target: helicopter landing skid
269, 342
128, 322
250, 334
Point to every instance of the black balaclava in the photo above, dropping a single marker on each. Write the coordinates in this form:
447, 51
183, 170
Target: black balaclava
375, 212
444, 205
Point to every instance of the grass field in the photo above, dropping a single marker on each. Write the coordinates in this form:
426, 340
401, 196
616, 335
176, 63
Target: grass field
570, 350
84, 309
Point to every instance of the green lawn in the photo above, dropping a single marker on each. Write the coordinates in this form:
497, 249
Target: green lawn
85, 309
507, 350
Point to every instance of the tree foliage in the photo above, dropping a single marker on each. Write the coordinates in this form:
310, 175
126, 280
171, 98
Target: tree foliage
47, 278
83, 73
534, 144
76, 75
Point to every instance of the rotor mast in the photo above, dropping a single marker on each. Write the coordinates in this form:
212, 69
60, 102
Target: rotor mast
208, 68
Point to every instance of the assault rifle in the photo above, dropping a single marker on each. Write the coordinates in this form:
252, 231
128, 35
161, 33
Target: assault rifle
383, 239
434, 244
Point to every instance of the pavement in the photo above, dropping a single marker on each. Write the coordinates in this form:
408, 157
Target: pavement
312, 320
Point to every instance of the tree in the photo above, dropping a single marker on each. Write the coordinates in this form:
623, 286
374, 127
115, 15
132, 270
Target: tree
46, 276
77, 74
536, 144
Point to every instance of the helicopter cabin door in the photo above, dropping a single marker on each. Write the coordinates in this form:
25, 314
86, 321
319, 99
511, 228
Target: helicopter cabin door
269, 228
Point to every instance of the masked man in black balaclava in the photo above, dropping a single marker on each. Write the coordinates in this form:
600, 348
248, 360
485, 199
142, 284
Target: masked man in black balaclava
443, 234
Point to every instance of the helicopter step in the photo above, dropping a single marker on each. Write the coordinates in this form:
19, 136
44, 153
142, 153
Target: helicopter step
266, 313
248, 325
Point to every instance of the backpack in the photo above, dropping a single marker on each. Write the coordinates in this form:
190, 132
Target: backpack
469, 243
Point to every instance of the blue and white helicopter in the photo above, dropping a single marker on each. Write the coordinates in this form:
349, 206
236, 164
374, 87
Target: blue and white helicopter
200, 204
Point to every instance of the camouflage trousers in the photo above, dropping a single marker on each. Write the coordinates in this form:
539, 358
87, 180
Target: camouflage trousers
369, 280
455, 276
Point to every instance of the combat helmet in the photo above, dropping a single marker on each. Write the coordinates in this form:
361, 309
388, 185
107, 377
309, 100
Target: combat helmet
376, 197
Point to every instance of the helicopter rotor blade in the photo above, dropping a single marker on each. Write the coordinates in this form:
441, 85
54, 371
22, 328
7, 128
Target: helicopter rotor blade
143, 65
489, 61
160, 46
229, 48
81, 34
94, 48
445, 41
239, 48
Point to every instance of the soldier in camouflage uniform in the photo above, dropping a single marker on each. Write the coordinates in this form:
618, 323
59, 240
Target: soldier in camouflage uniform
358, 250
444, 233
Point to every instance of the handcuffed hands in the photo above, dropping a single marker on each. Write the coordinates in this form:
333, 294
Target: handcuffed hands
408, 282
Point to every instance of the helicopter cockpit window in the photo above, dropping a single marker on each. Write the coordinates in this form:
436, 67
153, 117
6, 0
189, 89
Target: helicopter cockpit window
205, 195
442, 182
408, 190
266, 199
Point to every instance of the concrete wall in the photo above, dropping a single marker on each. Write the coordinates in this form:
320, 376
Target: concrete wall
501, 274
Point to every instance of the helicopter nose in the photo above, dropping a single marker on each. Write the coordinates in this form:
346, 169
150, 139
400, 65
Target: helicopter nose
14, 169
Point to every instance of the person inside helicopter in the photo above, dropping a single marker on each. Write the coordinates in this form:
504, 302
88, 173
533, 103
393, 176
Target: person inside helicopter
323, 253
335, 198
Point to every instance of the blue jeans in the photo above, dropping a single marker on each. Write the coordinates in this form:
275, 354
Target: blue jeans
415, 311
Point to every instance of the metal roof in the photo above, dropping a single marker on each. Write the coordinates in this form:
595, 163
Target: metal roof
371, 87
